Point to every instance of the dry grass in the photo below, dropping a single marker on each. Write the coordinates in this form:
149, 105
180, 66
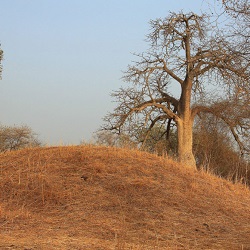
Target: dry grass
87, 197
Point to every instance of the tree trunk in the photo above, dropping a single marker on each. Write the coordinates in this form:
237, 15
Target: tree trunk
185, 126
185, 142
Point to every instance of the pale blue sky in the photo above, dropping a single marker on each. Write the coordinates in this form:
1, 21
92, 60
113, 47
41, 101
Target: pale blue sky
62, 58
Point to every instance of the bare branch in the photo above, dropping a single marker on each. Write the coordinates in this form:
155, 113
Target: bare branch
185, 51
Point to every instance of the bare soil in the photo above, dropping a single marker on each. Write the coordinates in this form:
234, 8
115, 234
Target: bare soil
89, 197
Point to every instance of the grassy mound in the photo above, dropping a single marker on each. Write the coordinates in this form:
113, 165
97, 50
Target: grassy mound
87, 197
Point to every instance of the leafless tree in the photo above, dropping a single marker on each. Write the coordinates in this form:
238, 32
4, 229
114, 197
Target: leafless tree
188, 57
108, 138
17, 137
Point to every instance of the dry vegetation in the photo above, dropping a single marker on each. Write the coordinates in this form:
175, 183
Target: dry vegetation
87, 197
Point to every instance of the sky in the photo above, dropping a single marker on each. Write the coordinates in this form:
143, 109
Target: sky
63, 58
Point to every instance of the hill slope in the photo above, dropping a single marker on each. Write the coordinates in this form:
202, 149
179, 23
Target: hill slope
104, 198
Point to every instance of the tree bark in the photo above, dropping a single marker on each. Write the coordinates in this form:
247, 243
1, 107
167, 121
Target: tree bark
185, 142
185, 126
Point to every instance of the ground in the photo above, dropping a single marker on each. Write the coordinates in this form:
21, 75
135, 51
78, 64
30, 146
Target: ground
90, 197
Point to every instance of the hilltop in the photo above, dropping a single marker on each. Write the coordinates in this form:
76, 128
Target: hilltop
89, 197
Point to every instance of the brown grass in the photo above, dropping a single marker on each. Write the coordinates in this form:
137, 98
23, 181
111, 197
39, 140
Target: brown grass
87, 197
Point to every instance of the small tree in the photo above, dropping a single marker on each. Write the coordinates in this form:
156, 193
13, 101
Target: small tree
110, 139
184, 54
14, 138
215, 149
157, 139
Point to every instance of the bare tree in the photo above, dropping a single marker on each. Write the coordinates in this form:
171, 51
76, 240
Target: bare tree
188, 57
14, 138
108, 138
215, 149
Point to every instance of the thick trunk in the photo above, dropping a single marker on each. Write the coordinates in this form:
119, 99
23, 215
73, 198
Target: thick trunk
185, 126
185, 142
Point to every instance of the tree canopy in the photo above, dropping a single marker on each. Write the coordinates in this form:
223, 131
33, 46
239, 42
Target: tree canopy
17, 137
190, 68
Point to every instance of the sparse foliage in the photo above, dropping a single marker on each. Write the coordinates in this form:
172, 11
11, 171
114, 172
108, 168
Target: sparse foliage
215, 151
110, 139
17, 137
187, 54
153, 141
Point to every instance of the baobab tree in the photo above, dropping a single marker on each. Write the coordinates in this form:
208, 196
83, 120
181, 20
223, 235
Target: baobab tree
170, 82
